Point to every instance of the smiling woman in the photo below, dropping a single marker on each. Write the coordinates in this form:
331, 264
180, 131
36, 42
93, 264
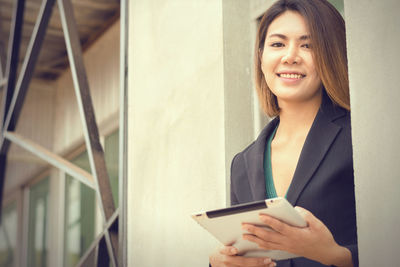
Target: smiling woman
328, 50
305, 152
287, 62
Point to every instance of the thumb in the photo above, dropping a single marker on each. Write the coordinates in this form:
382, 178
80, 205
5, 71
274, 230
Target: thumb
311, 220
302, 211
228, 250
306, 214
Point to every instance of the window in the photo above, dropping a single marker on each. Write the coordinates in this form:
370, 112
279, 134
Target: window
80, 203
111, 156
79, 215
8, 235
38, 224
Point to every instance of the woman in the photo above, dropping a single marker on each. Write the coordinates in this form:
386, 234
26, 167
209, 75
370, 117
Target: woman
305, 153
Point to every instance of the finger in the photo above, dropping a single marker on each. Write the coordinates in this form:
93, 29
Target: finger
276, 224
267, 235
303, 212
244, 261
268, 245
311, 220
228, 250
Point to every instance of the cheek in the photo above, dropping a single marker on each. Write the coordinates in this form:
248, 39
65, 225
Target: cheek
269, 63
266, 69
264, 65
313, 71
263, 68
312, 66
316, 77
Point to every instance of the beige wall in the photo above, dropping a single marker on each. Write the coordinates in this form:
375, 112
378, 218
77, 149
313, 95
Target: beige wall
36, 123
373, 37
176, 129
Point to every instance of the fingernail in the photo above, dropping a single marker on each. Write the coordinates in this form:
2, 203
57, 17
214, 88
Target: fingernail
233, 250
267, 260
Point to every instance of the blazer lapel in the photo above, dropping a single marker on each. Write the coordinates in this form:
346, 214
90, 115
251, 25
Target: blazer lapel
254, 162
319, 139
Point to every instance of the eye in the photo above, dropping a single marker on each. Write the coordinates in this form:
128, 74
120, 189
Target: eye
276, 44
308, 46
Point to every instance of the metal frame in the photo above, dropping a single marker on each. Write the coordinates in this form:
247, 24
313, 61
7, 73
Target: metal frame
53, 159
8, 79
123, 135
25, 226
12, 57
105, 248
25, 75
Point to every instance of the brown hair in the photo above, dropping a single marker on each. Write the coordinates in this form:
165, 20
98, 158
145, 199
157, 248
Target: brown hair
328, 40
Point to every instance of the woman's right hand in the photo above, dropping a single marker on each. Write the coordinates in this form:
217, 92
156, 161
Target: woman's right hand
227, 257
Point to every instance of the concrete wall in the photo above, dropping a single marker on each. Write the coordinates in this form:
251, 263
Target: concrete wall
176, 129
238, 85
373, 37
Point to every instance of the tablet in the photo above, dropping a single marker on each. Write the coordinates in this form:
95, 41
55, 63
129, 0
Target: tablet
226, 224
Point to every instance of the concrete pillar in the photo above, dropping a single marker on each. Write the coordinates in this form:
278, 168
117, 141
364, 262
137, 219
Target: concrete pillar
373, 37
176, 134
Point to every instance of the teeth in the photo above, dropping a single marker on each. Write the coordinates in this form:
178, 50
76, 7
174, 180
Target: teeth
291, 76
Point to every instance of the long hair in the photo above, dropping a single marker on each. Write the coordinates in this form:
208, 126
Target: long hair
328, 39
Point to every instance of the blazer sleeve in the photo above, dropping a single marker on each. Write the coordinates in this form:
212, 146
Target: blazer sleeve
354, 253
234, 200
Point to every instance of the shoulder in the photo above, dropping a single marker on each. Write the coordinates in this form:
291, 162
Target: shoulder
343, 141
334, 113
257, 146
238, 164
343, 121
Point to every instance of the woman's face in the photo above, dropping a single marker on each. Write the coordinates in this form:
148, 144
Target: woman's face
287, 61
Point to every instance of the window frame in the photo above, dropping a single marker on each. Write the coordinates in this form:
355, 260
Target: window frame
107, 128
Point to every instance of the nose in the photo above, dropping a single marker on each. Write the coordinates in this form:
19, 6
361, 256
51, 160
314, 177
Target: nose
291, 56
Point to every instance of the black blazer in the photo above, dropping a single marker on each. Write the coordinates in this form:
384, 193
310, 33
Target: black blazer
323, 181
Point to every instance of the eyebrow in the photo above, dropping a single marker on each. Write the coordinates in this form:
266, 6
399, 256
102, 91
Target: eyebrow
284, 37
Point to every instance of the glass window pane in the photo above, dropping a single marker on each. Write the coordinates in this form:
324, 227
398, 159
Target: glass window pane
111, 150
80, 201
8, 234
79, 215
38, 222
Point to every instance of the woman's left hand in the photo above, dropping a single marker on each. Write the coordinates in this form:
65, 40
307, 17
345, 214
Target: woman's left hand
314, 242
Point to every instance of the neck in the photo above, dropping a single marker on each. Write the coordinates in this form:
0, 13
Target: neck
296, 118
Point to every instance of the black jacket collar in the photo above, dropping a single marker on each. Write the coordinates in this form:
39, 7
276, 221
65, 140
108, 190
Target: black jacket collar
320, 137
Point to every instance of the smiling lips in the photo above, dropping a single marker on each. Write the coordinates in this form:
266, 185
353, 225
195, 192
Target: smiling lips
291, 75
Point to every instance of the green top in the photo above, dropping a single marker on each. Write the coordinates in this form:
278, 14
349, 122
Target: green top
269, 181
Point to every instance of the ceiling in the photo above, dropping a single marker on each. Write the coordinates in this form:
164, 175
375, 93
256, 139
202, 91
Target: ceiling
93, 18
